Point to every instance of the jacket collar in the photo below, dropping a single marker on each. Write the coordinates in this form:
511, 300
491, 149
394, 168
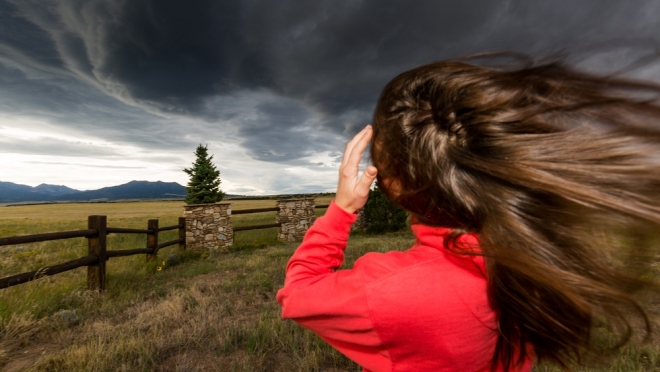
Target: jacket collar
434, 236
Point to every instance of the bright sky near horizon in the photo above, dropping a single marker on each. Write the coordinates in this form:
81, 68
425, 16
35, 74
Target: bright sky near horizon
96, 93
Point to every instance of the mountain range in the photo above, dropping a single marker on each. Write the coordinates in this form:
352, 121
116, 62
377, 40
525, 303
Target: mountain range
16, 193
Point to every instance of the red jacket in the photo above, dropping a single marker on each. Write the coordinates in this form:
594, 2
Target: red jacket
424, 309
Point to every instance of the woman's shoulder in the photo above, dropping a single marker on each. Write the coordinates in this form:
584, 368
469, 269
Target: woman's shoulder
420, 258
376, 265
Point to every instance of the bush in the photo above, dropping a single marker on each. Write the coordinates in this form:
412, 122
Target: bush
381, 215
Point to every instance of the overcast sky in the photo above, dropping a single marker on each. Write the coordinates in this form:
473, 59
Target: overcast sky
96, 93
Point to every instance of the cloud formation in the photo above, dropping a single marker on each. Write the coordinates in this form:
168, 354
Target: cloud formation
269, 85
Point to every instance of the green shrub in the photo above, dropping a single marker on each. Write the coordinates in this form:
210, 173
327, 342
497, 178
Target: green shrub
381, 215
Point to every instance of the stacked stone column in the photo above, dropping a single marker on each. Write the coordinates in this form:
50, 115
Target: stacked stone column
208, 227
295, 217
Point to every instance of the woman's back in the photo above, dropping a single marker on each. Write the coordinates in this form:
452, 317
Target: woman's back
425, 309
430, 306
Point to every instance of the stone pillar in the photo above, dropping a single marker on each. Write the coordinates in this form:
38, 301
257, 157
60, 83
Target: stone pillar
208, 227
295, 217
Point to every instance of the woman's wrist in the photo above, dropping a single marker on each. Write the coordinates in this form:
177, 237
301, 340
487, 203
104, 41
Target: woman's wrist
348, 209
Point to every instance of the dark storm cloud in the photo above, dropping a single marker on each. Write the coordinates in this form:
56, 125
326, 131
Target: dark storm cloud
21, 35
260, 135
76, 106
93, 166
287, 78
164, 53
53, 147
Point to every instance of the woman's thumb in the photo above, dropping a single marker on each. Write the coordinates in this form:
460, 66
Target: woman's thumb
369, 175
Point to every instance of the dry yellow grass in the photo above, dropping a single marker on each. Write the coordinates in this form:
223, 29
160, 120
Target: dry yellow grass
213, 314
118, 211
220, 309
36, 219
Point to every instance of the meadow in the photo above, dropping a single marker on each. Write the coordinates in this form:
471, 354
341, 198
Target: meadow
183, 311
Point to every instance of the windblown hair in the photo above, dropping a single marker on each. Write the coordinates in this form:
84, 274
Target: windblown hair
532, 158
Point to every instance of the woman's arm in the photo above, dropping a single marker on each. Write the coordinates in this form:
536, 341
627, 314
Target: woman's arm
322, 250
333, 303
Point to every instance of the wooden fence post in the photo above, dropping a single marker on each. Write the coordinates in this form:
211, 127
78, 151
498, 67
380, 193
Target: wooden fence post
152, 239
96, 245
182, 233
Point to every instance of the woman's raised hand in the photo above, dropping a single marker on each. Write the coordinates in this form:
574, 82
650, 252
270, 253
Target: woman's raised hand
353, 191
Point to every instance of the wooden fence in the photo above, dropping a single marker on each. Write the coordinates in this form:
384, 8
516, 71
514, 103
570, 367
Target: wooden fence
97, 253
260, 210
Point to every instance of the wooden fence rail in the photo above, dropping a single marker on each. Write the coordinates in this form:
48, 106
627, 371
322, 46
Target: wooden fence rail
12, 240
48, 270
260, 210
97, 252
257, 210
256, 227
96, 235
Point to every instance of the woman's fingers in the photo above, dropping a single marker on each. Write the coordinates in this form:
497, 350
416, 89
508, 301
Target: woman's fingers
364, 185
352, 191
359, 147
351, 144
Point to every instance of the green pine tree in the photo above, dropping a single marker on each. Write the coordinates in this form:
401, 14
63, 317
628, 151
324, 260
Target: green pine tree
204, 184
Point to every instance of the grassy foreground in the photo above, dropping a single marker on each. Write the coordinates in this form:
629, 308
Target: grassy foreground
182, 312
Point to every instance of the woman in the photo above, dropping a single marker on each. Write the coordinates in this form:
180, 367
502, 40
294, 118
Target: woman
509, 174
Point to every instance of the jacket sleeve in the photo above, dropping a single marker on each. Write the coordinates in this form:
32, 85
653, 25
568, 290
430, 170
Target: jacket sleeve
331, 303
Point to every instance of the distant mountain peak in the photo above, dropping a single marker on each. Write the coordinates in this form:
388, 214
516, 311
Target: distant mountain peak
11, 192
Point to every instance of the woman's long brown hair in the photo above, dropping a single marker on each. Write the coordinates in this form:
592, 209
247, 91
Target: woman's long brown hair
534, 159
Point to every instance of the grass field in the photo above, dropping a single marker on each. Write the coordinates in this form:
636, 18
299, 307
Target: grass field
181, 312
